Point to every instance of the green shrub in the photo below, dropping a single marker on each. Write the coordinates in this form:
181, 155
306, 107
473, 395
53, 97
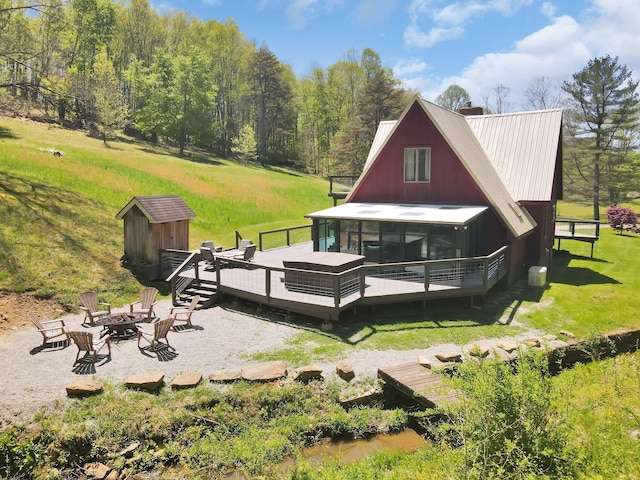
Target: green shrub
507, 422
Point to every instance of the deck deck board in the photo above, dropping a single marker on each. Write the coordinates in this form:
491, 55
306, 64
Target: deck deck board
421, 384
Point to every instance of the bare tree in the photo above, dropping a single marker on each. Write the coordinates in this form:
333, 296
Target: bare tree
543, 93
501, 102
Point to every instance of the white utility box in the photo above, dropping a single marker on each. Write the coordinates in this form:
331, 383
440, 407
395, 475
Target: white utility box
537, 276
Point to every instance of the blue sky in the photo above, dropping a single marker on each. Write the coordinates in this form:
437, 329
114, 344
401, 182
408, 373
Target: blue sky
430, 44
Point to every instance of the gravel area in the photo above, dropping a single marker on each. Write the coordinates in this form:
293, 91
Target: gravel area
222, 340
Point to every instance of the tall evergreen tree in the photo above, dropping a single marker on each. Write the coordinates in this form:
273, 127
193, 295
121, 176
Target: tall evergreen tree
605, 109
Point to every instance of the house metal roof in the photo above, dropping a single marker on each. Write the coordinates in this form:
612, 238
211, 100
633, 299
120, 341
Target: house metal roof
511, 157
408, 213
523, 147
159, 208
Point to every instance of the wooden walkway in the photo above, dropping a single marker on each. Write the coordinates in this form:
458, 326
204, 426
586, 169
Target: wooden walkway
419, 383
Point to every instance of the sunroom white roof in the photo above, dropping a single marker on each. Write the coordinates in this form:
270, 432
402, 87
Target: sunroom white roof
389, 212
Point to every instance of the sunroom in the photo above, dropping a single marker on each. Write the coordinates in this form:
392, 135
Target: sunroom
388, 233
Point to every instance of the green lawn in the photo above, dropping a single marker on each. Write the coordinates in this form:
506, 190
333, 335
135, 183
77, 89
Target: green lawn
59, 231
584, 296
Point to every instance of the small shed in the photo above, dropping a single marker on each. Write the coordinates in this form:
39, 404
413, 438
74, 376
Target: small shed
152, 223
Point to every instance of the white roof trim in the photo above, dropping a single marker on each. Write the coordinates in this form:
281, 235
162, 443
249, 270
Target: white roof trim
406, 213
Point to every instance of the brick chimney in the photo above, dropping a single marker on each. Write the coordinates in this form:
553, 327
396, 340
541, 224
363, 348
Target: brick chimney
469, 110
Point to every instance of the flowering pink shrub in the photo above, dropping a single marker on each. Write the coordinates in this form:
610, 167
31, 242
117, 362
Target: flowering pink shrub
620, 216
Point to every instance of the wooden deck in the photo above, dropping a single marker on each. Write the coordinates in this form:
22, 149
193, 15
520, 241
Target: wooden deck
577, 229
419, 383
262, 281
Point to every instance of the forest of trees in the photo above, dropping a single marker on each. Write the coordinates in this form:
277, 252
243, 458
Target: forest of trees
168, 76
119, 65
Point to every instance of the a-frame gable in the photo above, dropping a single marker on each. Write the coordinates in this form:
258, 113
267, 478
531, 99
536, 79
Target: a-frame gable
462, 141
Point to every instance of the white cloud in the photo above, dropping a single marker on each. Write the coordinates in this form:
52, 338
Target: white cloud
412, 66
447, 23
413, 36
613, 29
299, 12
548, 9
557, 50
374, 11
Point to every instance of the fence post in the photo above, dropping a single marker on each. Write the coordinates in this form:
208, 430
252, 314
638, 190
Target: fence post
260, 240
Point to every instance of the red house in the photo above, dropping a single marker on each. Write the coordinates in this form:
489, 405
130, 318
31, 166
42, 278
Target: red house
439, 185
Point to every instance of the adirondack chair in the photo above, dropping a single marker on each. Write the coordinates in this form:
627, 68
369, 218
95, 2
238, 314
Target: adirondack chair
160, 330
90, 305
145, 305
50, 329
249, 252
208, 257
85, 343
210, 245
182, 314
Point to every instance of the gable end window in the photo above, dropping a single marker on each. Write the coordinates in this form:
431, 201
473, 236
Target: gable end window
417, 164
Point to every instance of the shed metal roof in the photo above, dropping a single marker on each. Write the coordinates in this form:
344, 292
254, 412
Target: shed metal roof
159, 208
408, 213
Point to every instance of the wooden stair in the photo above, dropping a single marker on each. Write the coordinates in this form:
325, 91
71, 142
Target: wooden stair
207, 291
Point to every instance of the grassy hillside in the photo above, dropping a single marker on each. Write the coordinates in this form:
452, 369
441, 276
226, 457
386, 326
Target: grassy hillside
59, 234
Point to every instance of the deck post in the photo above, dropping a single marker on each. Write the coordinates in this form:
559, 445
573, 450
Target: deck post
363, 285
485, 273
267, 283
218, 264
426, 277
336, 290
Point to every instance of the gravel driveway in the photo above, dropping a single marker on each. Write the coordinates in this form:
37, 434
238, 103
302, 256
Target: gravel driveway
223, 340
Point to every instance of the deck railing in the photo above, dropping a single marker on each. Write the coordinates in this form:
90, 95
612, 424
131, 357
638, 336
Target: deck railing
178, 262
367, 283
283, 237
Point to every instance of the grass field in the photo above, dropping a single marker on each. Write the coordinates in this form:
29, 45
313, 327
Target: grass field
59, 234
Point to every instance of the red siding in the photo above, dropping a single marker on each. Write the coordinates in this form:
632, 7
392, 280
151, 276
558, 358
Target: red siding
450, 181
541, 240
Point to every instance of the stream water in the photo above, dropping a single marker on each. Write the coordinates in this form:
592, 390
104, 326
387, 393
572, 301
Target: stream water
350, 450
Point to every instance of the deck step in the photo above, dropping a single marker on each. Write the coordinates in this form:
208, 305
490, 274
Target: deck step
207, 292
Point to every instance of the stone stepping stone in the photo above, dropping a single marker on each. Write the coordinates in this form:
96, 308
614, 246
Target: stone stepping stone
225, 376
264, 372
84, 388
449, 357
187, 380
531, 342
478, 351
147, 381
507, 346
97, 470
549, 338
345, 371
424, 361
364, 398
306, 373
